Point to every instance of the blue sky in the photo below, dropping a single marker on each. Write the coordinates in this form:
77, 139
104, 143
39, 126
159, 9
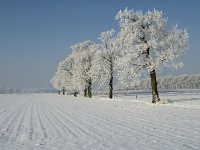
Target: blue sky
36, 34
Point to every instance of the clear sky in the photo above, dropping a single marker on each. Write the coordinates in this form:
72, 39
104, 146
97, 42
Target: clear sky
36, 34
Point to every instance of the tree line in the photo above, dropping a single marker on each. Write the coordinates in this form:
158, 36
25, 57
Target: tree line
9, 90
169, 82
143, 45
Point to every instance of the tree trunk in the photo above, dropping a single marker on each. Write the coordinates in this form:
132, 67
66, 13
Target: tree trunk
89, 88
85, 92
111, 80
111, 87
75, 93
63, 91
155, 95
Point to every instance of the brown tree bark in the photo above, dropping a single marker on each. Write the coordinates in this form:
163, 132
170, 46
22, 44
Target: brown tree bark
111, 80
75, 93
155, 95
111, 87
63, 91
85, 92
89, 90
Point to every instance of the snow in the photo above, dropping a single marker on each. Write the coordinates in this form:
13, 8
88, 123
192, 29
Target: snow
50, 121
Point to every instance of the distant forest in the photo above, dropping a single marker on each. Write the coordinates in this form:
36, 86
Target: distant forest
8, 90
170, 82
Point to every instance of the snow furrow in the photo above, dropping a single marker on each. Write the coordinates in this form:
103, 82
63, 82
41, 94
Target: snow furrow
53, 124
8, 127
42, 129
20, 129
48, 121
133, 131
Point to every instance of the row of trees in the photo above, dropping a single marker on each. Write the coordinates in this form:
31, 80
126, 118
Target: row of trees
8, 90
180, 82
143, 45
169, 82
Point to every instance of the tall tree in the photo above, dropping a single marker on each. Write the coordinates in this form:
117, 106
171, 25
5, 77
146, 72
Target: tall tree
105, 58
148, 44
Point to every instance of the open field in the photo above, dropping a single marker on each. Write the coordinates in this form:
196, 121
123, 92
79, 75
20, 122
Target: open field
50, 121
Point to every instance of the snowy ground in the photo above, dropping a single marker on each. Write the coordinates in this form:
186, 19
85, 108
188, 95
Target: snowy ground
53, 122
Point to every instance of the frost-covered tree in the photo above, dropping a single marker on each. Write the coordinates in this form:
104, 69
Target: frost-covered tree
147, 43
63, 78
57, 82
83, 54
105, 59
66, 68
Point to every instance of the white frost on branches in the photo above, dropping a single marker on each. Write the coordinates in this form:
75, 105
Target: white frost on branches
104, 64
64, 75
83, 54
143, 45
146, 43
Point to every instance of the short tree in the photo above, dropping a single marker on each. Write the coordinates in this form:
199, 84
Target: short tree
56, 81
66, 68
83, 55
147, 44
63, 78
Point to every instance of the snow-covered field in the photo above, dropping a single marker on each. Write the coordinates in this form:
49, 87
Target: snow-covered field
53, 122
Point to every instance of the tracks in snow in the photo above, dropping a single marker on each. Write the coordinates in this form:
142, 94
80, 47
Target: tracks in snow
47, 121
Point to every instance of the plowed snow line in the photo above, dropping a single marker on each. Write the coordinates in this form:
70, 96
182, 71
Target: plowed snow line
69, 122
90, 127
31, 129
20, 125
122, 124
152, 124
40, 121
48, 121
158, 128
109, 124
10, 110
93, 121
55, 127
9, 124
65, 125
11, 107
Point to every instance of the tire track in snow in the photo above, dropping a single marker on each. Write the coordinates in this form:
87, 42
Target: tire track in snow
8, 125
153, 133
96, 129
42, 128
10, 111
8, 108
89, 131
27, 130
69, 124
98, 124
150, 122
128, 128
53, 123
19, 125
31, 129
